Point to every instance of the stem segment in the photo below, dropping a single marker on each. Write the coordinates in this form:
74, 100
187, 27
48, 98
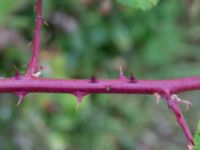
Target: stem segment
174, 106
165, 88
22, 85
118, 86
33, 66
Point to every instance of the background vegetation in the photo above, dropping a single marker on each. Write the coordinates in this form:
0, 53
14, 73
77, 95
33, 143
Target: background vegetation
86, 37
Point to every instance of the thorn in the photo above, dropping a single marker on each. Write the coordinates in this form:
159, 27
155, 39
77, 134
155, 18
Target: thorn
37, 74
19, 102
25, 65
17, 73
79, 96
20, 96
39, 71
157, 97
93, 79
121, 73
34, 9
187, 103
46, 23
77, 106
29, 44
132, 78
190, 147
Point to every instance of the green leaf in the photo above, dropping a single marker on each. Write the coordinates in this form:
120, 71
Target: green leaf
7, 7
197, 138
141, 4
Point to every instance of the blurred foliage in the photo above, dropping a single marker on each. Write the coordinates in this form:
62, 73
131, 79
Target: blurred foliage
86, 37
7, 7
142, 4
197, 138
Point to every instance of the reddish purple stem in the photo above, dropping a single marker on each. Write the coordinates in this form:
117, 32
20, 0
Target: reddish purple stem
118, 86
29, 83
33, 64
174, 106
165, 88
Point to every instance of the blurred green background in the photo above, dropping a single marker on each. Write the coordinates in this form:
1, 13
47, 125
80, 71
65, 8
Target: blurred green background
86, 37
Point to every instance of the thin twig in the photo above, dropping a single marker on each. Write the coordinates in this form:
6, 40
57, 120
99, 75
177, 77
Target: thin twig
33, 66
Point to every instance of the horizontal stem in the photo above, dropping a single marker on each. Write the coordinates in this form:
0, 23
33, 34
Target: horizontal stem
22, 85
46, 85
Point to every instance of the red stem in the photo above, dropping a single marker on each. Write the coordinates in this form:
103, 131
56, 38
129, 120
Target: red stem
33, 64
22, 85
119, 86
174, 106
165, 88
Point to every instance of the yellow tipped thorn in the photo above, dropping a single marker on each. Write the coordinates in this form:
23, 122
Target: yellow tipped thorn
187, 105
77, 106
19, 102
190, 147
46, 23
20, 96
29, 44
37, 74
79, 96
121, 74
182, 101
121, 71
157, 97
34, 9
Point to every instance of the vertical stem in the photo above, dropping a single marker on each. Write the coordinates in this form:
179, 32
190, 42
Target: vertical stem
33, 64
174, 106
